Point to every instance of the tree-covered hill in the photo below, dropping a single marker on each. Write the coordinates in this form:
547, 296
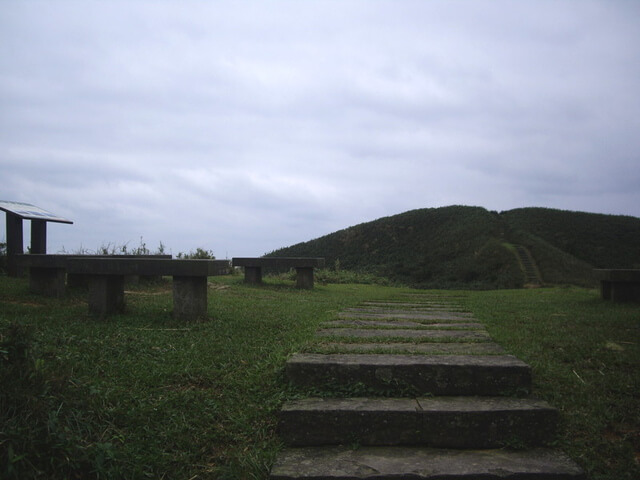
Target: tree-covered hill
471, 247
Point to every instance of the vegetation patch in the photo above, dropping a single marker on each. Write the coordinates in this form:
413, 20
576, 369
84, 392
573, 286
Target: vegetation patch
584, 353
473, 248
142, 396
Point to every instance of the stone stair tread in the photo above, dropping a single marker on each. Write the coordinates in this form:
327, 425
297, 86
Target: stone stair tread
410, 305
416, 463
459, 334
464, 317
405, 310
391, 360
439, 404
437, 375
359, 322
429, 348
480, 422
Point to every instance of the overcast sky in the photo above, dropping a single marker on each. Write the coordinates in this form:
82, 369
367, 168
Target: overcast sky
243, 126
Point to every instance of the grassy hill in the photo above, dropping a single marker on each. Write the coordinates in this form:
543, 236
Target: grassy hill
471, 247
604, 241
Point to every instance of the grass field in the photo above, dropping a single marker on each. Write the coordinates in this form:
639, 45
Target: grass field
142, 396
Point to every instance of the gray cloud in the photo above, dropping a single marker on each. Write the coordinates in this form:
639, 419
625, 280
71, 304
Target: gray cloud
244, 127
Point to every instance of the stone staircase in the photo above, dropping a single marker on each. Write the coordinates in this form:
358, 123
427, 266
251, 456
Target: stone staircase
443, 401
531, 272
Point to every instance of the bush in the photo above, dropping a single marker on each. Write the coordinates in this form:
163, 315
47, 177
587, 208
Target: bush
115, 249
199, 254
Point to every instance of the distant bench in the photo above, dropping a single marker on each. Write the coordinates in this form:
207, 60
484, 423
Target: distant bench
619, 285
105, 276
304, 268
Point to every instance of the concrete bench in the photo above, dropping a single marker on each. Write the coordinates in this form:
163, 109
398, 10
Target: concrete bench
304, 268
619, 285
106, 282
48, 273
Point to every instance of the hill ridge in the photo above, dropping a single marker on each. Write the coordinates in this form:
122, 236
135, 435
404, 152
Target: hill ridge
461, 246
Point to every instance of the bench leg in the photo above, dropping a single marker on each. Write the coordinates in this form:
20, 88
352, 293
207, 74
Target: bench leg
304, 277
189, 298
106, 294
605, 290
47, 281
253, 275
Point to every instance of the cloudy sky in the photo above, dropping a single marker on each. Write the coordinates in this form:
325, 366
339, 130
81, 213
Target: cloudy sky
243, 126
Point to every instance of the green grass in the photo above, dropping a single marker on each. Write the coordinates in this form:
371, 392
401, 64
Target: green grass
143, 396
585, 357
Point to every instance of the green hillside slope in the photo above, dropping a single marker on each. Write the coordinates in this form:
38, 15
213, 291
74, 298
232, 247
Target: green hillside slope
604, 241
444, 247
470, 247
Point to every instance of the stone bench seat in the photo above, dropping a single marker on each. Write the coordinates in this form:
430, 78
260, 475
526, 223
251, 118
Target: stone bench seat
48, 273
146, 266
619, 285
106, 282
304, 268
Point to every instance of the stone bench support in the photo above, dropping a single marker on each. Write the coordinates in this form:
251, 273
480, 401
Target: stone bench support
619, 285
48, 281
47, 273
304, 268
253, 275
106, 278
189, 297
106, 294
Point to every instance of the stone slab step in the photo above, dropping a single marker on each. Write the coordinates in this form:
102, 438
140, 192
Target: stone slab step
410, 305
416, 310
437, 375
478, 422
359, 322
396, 463
426, 348
426, 334
405, 315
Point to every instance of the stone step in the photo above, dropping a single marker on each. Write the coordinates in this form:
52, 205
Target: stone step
403, 333
436, 375
478, 422
415, 463
411, 305
368, 323
404, 315
418, 310
425, 348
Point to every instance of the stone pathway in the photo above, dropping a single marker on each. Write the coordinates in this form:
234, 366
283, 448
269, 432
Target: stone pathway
452, 401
